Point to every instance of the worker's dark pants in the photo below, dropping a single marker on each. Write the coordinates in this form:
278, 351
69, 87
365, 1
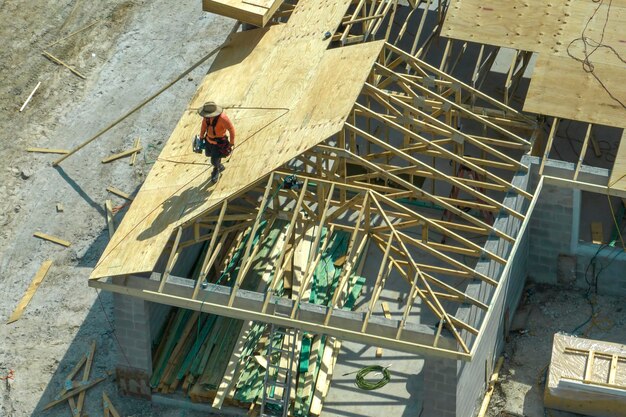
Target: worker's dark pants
213, 152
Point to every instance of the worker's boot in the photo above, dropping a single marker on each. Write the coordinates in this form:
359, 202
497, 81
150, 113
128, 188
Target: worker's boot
215, 175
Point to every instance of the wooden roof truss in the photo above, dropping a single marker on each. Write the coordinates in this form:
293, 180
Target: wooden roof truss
387, 179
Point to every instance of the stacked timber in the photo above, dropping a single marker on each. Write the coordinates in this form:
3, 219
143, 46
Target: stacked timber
220, 360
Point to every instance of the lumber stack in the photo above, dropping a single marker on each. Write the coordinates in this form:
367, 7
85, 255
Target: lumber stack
221, 360
587, 377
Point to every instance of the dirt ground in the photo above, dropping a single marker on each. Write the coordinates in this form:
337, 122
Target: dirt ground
544, 311
134, 48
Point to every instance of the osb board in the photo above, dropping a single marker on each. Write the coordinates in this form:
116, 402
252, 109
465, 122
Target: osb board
569, 365
618, 175
530, 25
559, 85
254, 12
281, 67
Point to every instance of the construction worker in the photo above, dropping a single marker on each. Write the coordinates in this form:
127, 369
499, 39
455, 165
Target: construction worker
218, 144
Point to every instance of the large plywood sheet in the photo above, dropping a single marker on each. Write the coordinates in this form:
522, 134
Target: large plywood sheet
530, 25
560, 86
254, 12
285, 93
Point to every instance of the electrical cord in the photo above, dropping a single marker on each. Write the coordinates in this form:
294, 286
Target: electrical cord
368, 385
590, 46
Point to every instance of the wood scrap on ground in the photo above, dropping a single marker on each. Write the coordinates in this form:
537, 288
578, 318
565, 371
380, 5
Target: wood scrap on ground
133, 158
119, 193
59, 208
122, 154
53, 239
108, 407
30, 96
47, 150
59, 62
39, 276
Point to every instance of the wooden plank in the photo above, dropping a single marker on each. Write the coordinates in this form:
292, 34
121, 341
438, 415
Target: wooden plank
597, 235
30, 292
69, 394
53, 239
47, 150
589, 366
253, 12
290, 106
235, 362
119, 192
613, 369
121, 154
133, 158
108, 407
77, 411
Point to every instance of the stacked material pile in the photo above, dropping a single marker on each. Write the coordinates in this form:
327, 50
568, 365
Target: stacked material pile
222, 360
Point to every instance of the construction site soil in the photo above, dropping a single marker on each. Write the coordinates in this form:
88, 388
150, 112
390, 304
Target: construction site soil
133, 49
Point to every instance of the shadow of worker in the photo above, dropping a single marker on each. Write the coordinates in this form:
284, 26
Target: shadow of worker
178, 206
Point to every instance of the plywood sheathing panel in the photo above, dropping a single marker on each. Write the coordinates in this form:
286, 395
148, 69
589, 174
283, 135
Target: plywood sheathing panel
254, 12
282, 67
560, 86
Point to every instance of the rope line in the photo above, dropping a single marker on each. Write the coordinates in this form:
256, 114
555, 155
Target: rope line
590, 46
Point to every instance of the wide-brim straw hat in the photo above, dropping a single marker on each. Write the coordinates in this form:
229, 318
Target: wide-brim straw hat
210, 109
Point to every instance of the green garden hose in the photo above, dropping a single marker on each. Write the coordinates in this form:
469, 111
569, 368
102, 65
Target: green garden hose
362, 383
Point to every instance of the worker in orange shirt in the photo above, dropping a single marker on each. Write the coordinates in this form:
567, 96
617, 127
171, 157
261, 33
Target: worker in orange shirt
218, 132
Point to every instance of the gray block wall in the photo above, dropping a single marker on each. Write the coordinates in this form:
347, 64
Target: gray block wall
462, 384
137, 322
551, 228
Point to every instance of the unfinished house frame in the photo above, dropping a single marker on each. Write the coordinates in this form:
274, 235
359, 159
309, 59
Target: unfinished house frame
350, 148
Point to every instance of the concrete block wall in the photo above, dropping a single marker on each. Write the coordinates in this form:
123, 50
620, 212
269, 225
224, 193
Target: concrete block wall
551, 228
440, 388
132, 329
469, 378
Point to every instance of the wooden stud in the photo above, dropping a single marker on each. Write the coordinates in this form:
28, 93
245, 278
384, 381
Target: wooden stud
172, 259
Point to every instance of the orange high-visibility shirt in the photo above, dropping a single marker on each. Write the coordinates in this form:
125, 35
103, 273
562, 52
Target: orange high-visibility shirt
223, 124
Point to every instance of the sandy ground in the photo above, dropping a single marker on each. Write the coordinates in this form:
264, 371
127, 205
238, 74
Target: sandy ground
545, 311
135, 48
